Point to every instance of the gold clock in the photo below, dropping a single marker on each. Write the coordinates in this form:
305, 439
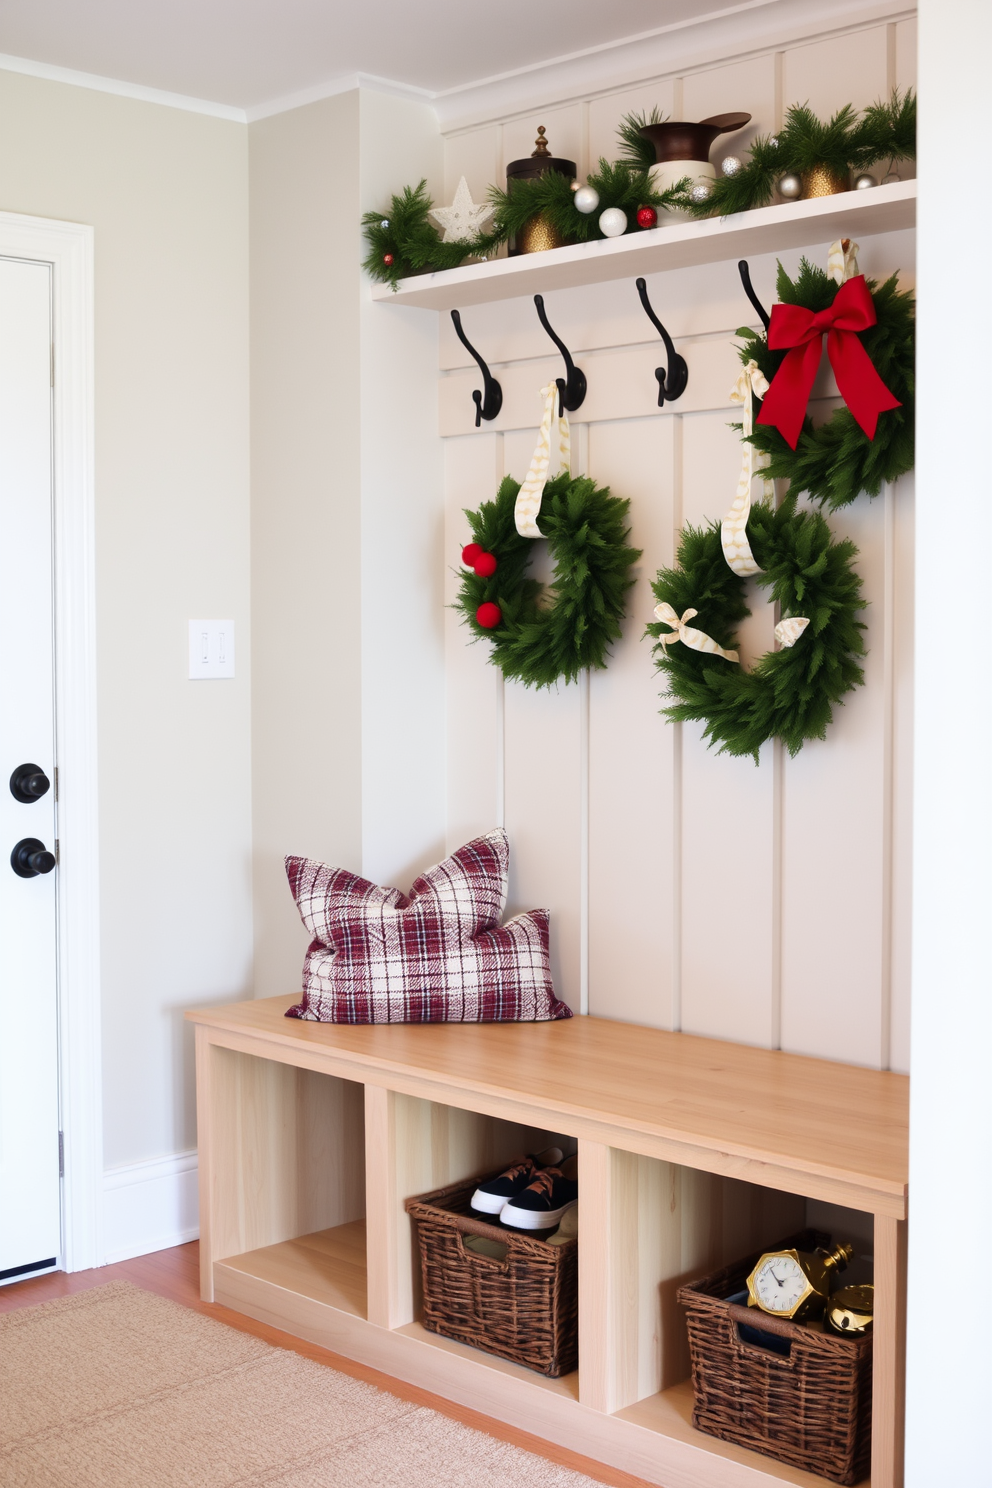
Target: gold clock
795, 1283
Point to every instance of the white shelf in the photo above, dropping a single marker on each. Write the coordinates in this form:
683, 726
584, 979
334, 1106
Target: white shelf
852, 214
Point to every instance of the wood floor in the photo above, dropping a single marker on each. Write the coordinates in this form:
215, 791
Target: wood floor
175, 1273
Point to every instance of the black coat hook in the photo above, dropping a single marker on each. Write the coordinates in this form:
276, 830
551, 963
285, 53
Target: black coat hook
488, 403
745, 274
571, 387
672, 385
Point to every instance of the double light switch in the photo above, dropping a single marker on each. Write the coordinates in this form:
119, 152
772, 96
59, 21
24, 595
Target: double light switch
211, 649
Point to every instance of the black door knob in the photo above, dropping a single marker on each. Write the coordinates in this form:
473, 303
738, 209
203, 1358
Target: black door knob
31, 857
29, 783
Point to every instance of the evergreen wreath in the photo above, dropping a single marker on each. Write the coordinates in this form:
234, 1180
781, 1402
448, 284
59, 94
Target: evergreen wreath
849, 141
789, 694
540, 637
837, 460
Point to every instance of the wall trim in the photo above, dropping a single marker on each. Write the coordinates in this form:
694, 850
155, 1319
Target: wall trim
346, 83
68, 248
721, 37
29, 68
151, 1205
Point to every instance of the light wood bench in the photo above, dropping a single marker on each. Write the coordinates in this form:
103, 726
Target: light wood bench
691, 1153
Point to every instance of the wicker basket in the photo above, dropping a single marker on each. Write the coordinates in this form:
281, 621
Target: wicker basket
524, 1308
788, 1390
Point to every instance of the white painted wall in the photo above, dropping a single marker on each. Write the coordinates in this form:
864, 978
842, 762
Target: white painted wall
951, 1111
166, 193
348, 742
765, 904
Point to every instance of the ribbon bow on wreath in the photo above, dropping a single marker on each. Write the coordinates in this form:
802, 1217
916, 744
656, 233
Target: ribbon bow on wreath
799, 333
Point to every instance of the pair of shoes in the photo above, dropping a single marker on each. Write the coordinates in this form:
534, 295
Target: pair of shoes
533, 1193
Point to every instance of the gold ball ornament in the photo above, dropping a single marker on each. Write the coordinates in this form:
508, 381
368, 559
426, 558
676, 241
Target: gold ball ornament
864, 182
790, 186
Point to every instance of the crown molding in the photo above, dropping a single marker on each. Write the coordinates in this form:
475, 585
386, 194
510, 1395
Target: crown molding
97, 84
726, 36
729, 34
346, 83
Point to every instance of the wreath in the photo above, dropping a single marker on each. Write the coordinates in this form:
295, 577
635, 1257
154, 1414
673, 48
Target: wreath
540, 636
789, 694
837, 460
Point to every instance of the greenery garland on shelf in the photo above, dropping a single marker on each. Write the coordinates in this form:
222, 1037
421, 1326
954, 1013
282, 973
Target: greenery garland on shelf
788, 694
836, 461
404, 241
540, 636
849, 141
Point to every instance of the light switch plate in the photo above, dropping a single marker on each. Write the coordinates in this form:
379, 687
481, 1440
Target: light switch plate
211, 649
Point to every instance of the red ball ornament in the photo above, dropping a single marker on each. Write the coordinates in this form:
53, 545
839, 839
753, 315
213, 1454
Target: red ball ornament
485, 565
387, 258
647, 217
470, 554
489, 615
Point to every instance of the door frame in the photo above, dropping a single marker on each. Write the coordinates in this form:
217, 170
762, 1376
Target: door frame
68, 248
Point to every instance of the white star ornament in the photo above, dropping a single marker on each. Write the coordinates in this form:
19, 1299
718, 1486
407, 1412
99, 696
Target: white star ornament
464, 218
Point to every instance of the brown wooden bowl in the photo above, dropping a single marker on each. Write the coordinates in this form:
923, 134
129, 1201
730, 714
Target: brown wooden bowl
679, 140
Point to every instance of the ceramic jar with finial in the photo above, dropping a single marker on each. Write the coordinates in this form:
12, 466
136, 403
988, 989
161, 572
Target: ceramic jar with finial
537, 234
683, 149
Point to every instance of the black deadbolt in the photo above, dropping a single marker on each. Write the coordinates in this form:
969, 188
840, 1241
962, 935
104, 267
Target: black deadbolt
29, 783
31, 857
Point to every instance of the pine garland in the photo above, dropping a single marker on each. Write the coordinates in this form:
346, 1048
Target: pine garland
849, 141
837, 461
407, 237
789, 694
549, 636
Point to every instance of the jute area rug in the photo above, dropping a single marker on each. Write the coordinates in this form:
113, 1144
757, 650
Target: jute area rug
119, 1388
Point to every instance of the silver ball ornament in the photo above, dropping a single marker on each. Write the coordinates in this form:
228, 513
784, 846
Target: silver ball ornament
891, 177
701, 192
864, 182
384, 223
586, 199
731, 165
613, 222
790, 186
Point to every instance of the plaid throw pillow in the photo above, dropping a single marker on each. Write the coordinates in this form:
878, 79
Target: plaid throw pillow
437, 955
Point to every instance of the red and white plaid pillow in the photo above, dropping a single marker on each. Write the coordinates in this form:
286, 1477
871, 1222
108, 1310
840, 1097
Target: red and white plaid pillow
438, 955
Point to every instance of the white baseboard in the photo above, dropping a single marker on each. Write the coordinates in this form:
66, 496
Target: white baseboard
150, 1206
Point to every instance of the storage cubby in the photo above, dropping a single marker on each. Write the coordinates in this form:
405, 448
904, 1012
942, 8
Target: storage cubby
287, 1171
691, 1154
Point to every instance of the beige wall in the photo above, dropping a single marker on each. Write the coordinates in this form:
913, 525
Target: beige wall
306, 576
166, 192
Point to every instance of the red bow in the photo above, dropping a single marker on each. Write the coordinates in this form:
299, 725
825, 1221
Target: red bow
799, 332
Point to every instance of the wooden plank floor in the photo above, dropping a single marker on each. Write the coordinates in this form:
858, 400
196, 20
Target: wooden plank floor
176, 1274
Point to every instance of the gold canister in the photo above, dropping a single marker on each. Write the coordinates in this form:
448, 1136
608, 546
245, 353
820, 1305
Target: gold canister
537, 235
822, 181
851, 1310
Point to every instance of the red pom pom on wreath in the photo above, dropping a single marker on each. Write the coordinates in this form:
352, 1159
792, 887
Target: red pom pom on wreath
387, 258
647, 217
489, 615
485, 565
470, 553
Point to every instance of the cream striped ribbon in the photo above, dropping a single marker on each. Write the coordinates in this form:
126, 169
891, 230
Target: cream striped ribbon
528, 503
842, 261
697, 640
733, 529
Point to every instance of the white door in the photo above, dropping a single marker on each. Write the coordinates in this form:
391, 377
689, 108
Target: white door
29, 1099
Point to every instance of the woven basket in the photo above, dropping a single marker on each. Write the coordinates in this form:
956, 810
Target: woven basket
808, 1404
524, 1308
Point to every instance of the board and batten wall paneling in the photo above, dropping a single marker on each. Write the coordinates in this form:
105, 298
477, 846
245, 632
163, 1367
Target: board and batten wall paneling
766, 903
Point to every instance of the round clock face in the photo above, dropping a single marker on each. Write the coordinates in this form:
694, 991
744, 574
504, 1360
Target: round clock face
780, 1283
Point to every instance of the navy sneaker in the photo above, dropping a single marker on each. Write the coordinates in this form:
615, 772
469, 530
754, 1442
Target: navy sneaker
543, 1203
490, 1197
